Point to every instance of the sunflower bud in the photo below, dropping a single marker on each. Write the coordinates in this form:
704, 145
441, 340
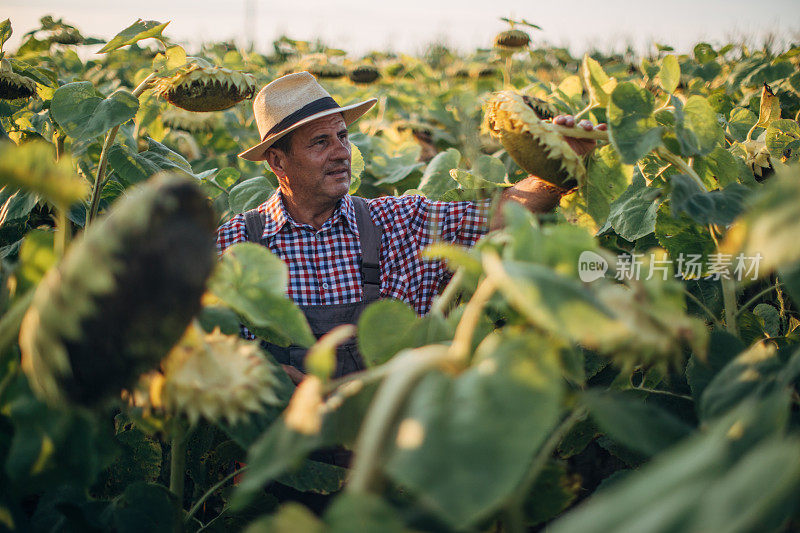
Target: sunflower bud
216, 376
364, 74
757, 158
122, 295
12, 85
512, 40
198, 88
523, 126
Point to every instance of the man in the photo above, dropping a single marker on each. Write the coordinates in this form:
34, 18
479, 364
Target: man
344, 252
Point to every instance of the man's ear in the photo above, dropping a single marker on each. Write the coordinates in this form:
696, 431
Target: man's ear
277, 161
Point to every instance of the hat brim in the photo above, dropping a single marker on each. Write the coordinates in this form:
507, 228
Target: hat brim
350, 113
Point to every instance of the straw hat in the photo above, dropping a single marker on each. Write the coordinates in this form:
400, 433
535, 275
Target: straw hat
290, 102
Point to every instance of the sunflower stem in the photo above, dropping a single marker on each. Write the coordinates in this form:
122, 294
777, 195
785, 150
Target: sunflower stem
177, 463
107, 143
63, 232
681, 165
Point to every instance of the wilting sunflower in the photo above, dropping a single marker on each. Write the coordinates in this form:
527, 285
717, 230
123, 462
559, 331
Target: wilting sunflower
12, 85
364, 74
198, 88
122, 295
321, 67
180, 119
524, 127
214, 376
512, 40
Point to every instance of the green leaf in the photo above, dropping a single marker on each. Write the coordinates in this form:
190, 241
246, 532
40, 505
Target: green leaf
382, 330
515, 392
689, 244
554, 490
139, 460
221, 317
30, 167
783, 140
252, 281
249, 194
5, 32
316, 477
719, 168
83, 115
771, 318
704, 53
633, 214
132, 167
719, 207
291, 517
697, 129
722, 348
226, 177
356, 168
15, 204
740, 122
607, 178
141, 29
632, 129
145, 507
436, 179
36, 257
669, 73
598, 84
362, 512
488, 168
635, 424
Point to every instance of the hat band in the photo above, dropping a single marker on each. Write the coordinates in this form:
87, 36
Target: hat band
322, 104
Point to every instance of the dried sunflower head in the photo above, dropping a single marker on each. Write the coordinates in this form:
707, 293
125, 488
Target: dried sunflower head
215, 376
66, 35
524, 127
199, 88
512, 40
12, 85
364, 74
180, 119
122, 295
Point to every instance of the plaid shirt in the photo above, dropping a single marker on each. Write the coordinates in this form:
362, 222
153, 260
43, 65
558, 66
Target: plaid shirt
324, 265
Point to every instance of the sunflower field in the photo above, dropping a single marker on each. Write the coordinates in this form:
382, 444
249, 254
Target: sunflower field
626, 363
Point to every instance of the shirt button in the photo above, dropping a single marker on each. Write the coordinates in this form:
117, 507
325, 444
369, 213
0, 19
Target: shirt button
324, 285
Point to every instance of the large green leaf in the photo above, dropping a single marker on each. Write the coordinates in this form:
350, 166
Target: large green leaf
132, 167
669, 73
783, 140
719, 207
145, 507
632, 129
365, 513
688, 243
84, 115
141, 29
697, 128
249, 194
598, 84
722, 348
436, 179
462, 440
606, 180
635, 424
252, 281
633, 213
5, 32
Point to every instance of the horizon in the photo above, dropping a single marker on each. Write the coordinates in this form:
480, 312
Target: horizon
461, 26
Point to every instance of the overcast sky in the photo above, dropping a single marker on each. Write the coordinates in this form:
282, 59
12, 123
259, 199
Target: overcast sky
408, 25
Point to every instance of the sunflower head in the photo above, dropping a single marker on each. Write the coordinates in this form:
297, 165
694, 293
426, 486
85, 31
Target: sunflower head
512, 40
199, 88
757, 158
122, 295
67, 35
364, 74
215, 377
12, 85
523, 126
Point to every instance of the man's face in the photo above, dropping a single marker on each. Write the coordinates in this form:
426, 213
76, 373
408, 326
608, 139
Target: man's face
317, 167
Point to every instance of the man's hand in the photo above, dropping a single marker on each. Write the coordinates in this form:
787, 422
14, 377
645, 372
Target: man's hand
536, 194
581, 146
295, 375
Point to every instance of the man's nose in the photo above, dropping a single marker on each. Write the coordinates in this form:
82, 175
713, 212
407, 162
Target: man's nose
342, 149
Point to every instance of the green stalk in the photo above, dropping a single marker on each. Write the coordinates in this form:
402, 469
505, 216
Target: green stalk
442, 302
63, 231
753, 300
729, 301
99, 179
681, 165
177, 463
199, 503
12, 319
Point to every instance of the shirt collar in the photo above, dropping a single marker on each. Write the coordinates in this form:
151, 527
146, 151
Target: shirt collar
276, 215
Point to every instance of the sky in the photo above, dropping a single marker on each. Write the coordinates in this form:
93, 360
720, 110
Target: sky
358, 26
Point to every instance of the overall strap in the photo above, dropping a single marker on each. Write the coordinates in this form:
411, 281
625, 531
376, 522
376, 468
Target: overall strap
254, 223
370, 238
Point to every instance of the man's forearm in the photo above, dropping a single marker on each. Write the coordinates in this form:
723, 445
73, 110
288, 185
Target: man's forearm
535, 194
